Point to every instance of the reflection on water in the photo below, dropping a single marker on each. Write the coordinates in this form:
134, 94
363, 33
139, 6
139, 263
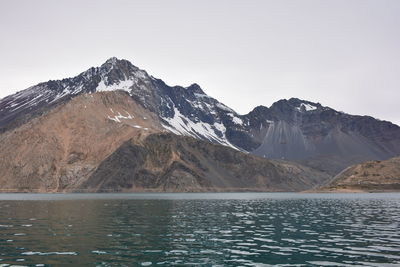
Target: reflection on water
200, 229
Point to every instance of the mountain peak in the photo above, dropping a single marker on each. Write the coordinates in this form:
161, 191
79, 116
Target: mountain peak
296, 104
298, 101
115, 63
112, 60
195, 88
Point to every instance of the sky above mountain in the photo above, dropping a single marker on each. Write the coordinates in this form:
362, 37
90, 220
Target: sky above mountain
343, 54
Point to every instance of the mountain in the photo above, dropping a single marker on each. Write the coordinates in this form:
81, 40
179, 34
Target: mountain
184, 110
18, 108
295, 130
371, 176
106, 141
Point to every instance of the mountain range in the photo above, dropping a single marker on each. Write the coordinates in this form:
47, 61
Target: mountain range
117, 128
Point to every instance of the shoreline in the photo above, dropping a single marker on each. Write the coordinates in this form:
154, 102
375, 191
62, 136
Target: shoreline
340, 191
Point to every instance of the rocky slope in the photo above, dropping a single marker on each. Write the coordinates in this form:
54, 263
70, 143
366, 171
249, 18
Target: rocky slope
294, 129
55, 151
368, 176
167, 162
106, 141
322, 137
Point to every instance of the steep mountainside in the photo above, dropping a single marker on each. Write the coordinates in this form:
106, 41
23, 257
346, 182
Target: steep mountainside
167, 162
367, 176
107, 142
293, 129
322, 137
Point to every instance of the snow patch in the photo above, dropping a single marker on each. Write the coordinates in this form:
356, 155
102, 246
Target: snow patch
235, 119
119, 116
202, 95
122, 85
181, 125
307, 107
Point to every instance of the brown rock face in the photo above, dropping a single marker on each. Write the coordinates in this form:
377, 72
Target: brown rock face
368, 176
55, 152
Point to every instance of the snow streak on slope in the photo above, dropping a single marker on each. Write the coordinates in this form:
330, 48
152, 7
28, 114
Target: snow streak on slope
181, 125
119, 116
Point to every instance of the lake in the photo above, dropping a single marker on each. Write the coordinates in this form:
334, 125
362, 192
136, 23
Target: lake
206, 229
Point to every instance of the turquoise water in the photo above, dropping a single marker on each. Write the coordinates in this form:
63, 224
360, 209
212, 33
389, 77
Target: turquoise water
228, 229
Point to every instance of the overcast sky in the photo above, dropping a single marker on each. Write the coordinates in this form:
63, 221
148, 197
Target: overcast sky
343, 54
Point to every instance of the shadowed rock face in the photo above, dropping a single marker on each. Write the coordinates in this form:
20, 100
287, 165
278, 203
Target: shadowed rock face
166, 162
367, 176
322, 137
293, 129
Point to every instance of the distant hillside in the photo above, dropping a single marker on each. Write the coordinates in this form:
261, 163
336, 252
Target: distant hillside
368, 176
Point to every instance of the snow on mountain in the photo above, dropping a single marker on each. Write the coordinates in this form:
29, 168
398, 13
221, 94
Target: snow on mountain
122, 85
183, 110
114, 74
306, 107
235, 119
181, 125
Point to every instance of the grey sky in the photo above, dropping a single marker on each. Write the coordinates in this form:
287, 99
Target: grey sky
343, 54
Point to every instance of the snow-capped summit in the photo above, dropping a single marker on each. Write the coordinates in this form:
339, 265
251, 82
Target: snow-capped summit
183, 110
114, 74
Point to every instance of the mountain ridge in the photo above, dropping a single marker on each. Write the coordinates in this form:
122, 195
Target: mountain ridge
290, 129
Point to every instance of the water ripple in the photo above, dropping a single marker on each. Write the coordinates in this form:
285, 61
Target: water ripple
229, 230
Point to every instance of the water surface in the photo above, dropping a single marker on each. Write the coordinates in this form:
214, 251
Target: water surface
215, 229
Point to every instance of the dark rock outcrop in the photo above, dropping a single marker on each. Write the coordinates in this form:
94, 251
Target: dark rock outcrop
167, 162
